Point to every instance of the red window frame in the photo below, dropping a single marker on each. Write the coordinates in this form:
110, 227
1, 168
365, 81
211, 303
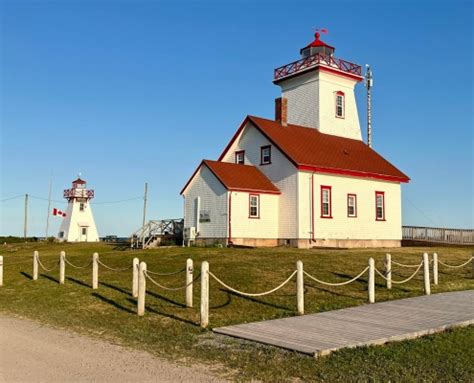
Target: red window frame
258, 206
355, 205
269, 147
339, 93
329, 189
243, 156
382, 194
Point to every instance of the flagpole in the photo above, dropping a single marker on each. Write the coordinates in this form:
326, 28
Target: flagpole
49, 208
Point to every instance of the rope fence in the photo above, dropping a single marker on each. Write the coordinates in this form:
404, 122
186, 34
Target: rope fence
45, 268
166, 274
456, 266
404, 280
113, 268
171, 288
404, 265
75, 266
338, 283
253, 294
140, 276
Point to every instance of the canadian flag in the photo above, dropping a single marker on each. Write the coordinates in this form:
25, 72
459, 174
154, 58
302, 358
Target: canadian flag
58, 212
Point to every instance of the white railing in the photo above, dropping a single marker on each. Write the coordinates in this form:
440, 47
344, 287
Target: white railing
436, 234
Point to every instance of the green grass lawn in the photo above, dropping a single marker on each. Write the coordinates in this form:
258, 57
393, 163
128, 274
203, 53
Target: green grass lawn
171, 330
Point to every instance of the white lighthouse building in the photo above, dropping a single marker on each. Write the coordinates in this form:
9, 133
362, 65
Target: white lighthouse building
78, 225
305, 178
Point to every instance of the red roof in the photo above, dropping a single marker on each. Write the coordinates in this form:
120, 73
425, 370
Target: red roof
79, 181
309, 149
237, 177
318, 43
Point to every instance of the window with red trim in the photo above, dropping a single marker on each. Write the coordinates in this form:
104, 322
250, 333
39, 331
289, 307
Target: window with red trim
340, 105
352, 205
265, 155
326, 202
380, 206
240, 157
254, 206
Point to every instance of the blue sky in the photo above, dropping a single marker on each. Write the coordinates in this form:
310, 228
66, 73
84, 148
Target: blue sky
129, 92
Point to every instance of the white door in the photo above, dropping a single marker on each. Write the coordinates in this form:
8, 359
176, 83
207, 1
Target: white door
83, 234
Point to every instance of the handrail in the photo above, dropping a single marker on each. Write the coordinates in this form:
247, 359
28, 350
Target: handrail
314, 60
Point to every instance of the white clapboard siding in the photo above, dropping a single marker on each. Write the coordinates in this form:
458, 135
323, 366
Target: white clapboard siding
281, 172
364, 226
213, 198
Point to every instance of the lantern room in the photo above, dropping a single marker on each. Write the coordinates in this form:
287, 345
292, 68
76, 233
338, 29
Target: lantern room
78, 183
78, 190
317, 47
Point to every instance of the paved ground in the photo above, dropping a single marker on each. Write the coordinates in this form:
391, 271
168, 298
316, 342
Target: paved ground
30, 352
320, 334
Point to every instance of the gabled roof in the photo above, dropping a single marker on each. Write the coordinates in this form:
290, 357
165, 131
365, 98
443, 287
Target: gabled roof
309, 149
237, 177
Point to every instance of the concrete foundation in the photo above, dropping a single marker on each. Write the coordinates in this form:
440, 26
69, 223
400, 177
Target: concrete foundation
301, 243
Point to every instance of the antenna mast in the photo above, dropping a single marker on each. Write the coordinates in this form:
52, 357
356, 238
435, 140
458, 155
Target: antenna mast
369, 82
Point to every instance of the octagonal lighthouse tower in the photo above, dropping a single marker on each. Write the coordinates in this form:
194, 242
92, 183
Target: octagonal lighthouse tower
318, 91
78, 225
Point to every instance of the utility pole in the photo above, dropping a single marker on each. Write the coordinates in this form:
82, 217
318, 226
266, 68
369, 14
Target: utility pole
145, 197
49, 209
369, 82
25, 224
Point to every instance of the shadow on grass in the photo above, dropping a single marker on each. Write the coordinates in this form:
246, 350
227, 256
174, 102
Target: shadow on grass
163, 298
113, 303
50, 278
116, 288
171, 316
226, 303
78, 282
26, 275
255, 300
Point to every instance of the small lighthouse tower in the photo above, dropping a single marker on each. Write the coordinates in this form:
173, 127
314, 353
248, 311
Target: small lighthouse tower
79, 225
318, 90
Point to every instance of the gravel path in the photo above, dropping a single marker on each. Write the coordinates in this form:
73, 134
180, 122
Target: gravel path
31, 352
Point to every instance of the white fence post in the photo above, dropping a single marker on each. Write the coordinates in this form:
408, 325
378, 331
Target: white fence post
426, 274
141, 289
1, 270
204, 294
95, 271
371, 280
35, 265
300, 287
435, 268
135, 266
388, 270
189, 283
62, 267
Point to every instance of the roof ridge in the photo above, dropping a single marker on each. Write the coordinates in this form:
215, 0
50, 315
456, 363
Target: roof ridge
229, 163
315, 130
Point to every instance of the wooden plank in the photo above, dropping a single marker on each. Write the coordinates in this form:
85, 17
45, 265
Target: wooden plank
322, 333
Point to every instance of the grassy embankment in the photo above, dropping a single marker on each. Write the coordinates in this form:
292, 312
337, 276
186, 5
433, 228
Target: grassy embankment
171, 330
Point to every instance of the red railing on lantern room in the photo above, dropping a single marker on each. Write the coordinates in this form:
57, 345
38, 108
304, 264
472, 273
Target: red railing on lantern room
78, 193
314, 60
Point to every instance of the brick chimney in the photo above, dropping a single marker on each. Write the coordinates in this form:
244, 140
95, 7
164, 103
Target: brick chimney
281, 110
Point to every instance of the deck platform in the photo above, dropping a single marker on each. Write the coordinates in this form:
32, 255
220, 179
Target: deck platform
370, 324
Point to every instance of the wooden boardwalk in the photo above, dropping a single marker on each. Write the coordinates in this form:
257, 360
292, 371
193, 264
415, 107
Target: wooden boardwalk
322, 333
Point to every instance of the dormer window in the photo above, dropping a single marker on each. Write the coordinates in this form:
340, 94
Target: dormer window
340, 105
240, 157
265, 155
